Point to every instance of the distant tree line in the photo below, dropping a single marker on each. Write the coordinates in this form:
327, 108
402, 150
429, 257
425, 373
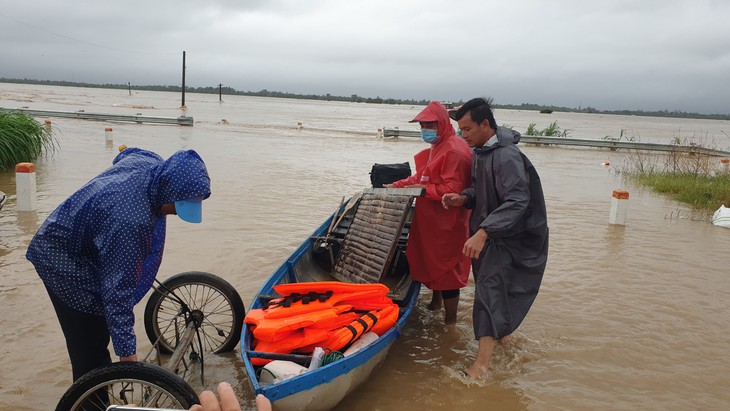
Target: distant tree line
591, 110
374, 100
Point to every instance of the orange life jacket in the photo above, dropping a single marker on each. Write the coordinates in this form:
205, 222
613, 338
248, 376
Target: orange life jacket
324, 286
320, 314
340, 338
324, 296
296, 303
387, 318
276, 329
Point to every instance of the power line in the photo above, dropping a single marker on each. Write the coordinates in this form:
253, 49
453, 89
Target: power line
83, 41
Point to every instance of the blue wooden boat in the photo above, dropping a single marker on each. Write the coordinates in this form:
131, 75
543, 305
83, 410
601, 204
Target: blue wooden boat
378, 215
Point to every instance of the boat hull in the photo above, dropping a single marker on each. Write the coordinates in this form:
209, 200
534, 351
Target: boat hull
322, 388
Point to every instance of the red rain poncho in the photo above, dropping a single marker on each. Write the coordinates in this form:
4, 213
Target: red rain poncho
437, 235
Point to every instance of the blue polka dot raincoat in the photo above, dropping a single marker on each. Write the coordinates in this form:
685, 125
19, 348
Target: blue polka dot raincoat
100, 250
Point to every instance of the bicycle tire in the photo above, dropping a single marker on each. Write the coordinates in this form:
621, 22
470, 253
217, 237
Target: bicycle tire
128, 382
219, 302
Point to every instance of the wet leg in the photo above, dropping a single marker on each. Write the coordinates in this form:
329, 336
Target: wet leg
436, 301
452, 306
480, 368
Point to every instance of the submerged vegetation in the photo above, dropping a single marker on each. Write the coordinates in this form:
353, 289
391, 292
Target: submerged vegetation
700, 191
622, 136
702, 181
22, 139
553, 130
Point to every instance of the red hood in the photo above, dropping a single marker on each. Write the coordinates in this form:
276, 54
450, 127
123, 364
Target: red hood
436, 111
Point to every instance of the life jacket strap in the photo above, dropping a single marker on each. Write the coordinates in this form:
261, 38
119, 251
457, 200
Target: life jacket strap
296, 297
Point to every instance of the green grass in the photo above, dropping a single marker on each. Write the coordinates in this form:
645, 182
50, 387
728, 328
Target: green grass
699, 180
22, 139
701, 191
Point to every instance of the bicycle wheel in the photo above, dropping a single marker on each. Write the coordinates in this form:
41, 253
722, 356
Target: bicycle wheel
128, 382
215, 298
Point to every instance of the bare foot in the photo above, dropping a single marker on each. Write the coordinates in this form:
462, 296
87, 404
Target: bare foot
435, 306
505, 341
478, 372
437, 302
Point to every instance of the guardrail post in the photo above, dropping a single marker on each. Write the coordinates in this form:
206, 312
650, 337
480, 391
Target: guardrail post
725, 164
619, 203
25, 187
108, 137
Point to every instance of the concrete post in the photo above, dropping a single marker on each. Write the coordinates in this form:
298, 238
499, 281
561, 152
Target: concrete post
725, 164
108, 135
26, 199
619, 203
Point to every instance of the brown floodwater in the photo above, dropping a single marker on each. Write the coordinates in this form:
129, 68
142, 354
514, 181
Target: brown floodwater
628, 317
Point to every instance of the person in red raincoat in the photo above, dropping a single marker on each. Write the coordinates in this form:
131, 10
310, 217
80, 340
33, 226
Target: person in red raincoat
437, 235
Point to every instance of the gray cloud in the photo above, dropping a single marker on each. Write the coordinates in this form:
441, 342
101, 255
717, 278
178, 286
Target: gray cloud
610, 55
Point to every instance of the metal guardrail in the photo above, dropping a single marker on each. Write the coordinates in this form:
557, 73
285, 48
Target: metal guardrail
610, 144
82, 115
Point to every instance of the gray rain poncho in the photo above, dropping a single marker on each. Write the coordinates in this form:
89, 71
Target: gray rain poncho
506, 199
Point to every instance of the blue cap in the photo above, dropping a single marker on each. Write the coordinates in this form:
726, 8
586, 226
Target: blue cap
190, 210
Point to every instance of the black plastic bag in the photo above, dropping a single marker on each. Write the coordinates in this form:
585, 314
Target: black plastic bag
388, 173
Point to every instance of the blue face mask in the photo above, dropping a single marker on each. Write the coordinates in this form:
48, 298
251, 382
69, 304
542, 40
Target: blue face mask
429, 136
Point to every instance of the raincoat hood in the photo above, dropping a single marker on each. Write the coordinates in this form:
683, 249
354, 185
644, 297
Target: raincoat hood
436, 111
180, 177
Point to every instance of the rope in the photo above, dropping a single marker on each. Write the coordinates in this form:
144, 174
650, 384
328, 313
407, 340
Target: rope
331, 356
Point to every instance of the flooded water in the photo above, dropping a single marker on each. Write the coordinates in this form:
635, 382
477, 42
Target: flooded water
628, 317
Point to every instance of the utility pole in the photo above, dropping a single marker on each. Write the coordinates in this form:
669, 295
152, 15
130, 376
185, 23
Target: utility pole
183, 81
220, 92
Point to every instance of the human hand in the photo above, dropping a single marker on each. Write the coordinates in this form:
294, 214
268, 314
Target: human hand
262, 403
453, 200
209, 402
387, 185
132, 357
475, 244
417, 186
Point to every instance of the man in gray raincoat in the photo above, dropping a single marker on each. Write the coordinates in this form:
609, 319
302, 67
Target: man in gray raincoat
509, 242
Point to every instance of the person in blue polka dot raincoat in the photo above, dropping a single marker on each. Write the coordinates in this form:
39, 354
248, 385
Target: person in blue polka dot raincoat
99, 251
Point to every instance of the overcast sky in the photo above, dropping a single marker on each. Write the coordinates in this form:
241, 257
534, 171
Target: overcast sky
609, 54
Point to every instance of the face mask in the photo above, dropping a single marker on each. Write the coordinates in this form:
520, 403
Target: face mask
429, 136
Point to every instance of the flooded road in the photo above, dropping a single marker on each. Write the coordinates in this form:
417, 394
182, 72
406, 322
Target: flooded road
628, 317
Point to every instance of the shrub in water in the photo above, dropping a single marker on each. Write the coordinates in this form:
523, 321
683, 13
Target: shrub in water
22, 139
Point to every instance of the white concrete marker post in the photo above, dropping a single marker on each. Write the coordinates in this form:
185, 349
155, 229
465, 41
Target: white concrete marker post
26, 199
619, 203
108, 135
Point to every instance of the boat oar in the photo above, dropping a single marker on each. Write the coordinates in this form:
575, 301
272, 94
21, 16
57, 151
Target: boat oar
334, 217
351, 203
324, 241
